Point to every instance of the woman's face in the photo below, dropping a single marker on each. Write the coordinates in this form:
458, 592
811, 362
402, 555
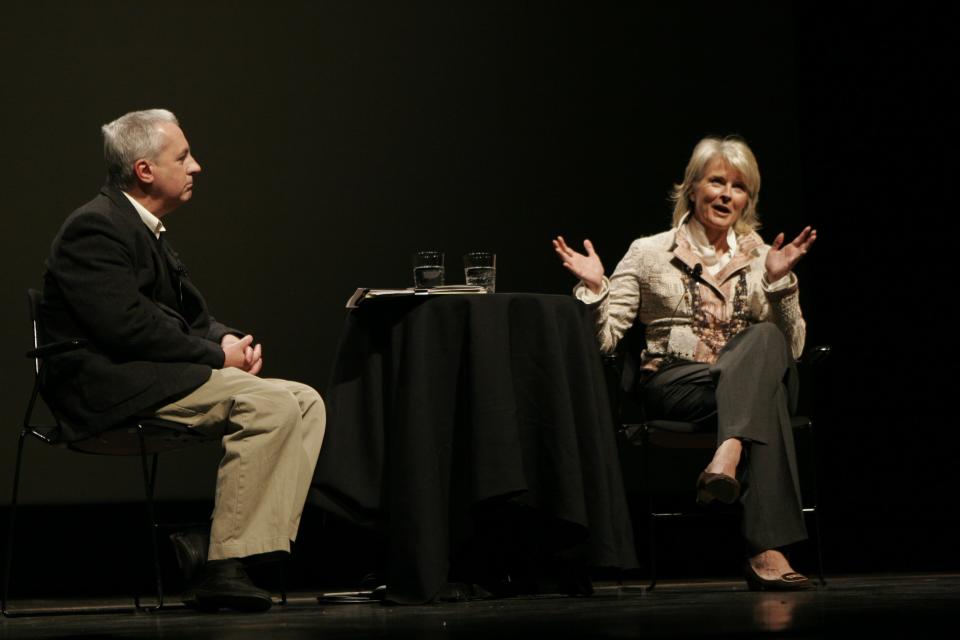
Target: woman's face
719, 197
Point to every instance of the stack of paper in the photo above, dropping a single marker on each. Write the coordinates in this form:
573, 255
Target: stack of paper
363, 294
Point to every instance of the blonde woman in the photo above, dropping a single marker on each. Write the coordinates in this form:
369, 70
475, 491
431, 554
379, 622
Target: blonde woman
723, 326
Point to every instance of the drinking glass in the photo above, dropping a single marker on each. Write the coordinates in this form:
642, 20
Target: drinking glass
427, 269
480, 269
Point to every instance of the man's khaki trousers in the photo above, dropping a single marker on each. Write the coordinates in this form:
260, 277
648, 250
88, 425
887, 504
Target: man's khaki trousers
272, 431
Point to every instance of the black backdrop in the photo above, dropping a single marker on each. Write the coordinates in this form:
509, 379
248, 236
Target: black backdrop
338, 137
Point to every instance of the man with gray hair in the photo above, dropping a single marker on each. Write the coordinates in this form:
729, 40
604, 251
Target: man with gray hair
153, 349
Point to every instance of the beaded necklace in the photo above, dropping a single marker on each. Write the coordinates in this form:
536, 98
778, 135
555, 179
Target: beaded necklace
712, 331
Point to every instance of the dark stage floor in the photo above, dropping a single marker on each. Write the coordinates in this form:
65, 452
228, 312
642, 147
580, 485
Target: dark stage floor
854, 606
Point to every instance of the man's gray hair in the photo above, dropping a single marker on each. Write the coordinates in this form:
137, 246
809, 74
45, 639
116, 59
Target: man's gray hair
131, 137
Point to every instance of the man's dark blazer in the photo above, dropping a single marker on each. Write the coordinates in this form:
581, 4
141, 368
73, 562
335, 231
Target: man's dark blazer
150, 338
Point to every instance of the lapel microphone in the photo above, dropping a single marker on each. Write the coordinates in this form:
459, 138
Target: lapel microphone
178, 267
181, 274
696, 271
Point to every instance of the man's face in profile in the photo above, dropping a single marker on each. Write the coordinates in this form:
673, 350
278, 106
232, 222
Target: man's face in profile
173, 170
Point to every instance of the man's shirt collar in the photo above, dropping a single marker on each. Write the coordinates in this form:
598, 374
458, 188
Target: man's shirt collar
153, 222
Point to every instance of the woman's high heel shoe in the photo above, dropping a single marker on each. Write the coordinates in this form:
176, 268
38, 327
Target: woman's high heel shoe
791, 581
717, 486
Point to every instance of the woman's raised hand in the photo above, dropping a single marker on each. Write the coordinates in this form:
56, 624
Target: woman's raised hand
781, 259
586, 267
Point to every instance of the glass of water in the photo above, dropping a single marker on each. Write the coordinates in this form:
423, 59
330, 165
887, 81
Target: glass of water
480, 269
427, 269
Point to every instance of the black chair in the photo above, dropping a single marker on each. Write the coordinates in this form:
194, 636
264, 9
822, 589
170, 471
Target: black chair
635, 431
146, 438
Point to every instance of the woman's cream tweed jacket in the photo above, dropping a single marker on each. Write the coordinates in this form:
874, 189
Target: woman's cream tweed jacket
685, 317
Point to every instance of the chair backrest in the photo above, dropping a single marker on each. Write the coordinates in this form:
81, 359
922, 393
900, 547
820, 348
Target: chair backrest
156, 435
33, 300
629, 349
47, 433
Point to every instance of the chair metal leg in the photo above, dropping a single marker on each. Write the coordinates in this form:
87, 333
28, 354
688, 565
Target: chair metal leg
154, 462
8, 568
149, 478
8, 565
651, 517
816, 505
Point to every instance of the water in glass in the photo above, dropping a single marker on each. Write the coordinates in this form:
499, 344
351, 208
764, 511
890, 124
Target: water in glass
428, 276
481, 277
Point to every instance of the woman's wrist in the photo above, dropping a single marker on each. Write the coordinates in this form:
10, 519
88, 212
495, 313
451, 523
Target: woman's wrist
772, 277
594, 287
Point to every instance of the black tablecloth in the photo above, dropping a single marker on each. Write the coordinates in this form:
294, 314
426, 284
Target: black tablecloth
439, 404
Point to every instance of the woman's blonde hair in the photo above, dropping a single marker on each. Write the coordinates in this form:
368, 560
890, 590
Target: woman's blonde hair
735, 153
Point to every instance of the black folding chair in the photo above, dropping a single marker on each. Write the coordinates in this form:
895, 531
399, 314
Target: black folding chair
146, 438
635, 430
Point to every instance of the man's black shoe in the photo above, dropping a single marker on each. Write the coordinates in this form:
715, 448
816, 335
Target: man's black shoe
224, 584
190, 547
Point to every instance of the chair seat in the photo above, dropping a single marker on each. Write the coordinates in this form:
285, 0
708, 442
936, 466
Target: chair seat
675, 434
159, 436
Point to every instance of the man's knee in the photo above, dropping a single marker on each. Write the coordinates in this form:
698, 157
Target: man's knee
308, 398
319, 406
282, 405
304, 409
273, 406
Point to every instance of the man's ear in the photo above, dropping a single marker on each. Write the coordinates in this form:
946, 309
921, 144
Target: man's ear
143, 170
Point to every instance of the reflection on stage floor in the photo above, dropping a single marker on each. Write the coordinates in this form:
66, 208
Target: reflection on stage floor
847, 606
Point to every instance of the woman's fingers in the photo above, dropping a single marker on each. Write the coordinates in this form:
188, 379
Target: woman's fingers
586, 267
805, 240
